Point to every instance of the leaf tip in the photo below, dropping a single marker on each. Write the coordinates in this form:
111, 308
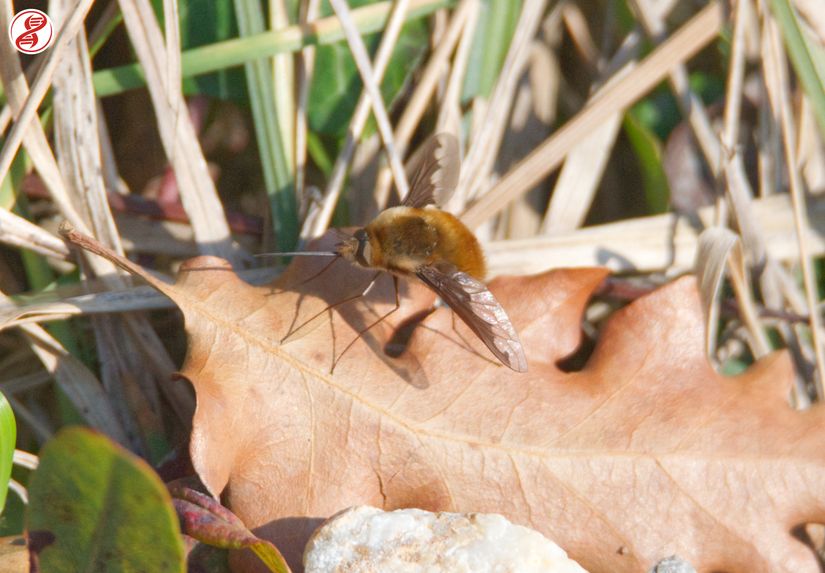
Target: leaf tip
205, 262
66, 229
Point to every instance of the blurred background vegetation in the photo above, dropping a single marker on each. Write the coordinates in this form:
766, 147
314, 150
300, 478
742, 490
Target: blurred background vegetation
593, 133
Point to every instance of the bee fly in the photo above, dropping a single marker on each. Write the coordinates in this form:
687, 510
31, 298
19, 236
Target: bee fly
418, 240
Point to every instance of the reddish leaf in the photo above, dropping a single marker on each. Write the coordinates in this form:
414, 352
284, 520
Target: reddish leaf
207, 521
645, 453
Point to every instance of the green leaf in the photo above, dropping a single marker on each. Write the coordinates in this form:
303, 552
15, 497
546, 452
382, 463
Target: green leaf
335, 89
648, 150
204, 22
96, 507
8, 437
336, 83
659, 111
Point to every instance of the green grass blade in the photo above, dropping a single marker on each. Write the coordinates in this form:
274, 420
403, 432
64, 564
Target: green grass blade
649, 155
807, 58
222, 55
8, 437
496, 25
319, 154
278, 174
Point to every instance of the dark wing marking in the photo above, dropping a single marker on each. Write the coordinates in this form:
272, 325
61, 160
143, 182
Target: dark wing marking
436, 174
479, 309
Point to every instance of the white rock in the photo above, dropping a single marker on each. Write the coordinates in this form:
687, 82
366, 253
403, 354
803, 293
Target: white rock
368, 540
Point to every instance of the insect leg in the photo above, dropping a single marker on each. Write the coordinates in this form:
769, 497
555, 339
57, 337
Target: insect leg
319, 273
364, 330
308, 279
335, 305
292, 328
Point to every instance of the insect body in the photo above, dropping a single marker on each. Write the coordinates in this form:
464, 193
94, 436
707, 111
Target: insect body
402, 239
418, 240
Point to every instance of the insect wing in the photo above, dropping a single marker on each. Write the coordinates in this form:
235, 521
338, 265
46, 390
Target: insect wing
436, 175
479, 309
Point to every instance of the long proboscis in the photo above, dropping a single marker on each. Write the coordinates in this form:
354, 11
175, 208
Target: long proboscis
300, 254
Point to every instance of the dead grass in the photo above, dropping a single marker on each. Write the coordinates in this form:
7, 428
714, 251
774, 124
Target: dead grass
773, 212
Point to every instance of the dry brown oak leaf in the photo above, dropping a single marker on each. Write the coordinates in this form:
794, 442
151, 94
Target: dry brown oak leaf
645, 453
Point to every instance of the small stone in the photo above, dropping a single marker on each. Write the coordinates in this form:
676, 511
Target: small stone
672, 564
365, 539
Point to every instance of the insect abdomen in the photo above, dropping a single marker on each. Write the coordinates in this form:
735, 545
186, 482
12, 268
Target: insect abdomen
404, 238
456, 243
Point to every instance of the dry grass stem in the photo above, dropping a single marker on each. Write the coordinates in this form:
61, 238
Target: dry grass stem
379, 110
811, 149
64, 304
583, 169
43, 80
20, 490
160, 367
304, 65
485, 145
650, 244
814, 15
111, 301
320, 222
25, 460
682, 45
5, 118
283, 75
76, 381
111, 177
198, 194
778, 91
77, 143
718, 248
653, 21
715, 153
576, 23
26, 382
733, 98
37, 145
449, 117
18, 232
39, 425
171, 21
80, 158
411, 117
730, 143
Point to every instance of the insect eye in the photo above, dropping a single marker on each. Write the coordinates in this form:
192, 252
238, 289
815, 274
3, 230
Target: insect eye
366, 253
363, 254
